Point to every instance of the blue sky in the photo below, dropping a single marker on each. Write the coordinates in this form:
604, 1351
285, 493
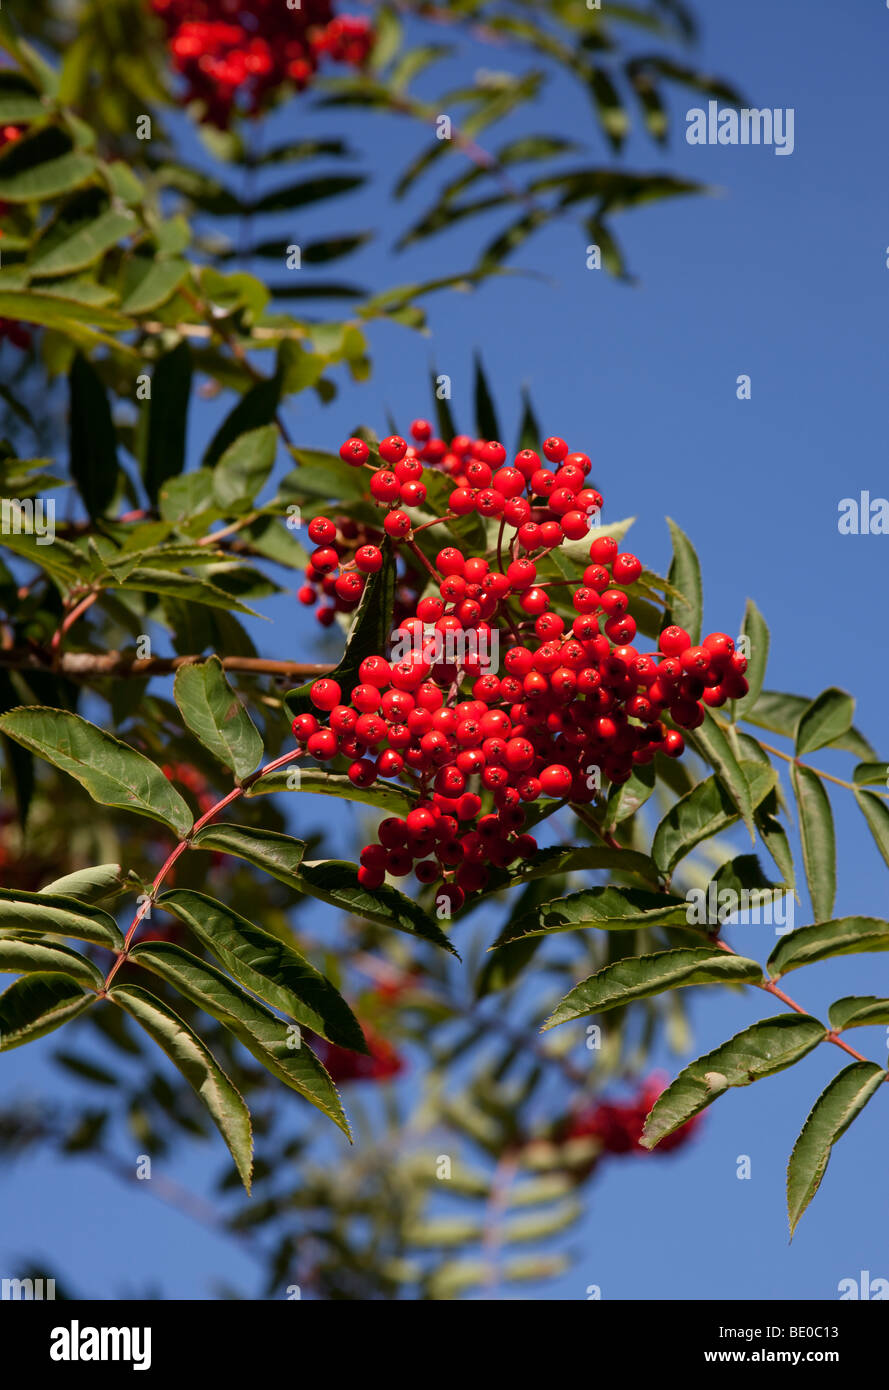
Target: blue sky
778, 275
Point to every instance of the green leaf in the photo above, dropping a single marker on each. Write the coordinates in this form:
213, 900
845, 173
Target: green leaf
394, 800
827, 718
112, 773
277, 854
637, 977
844, 936
761, 1050
858, 1011
267, 1038
165, 431
242, 470
36, 1004
529, 430
322, 476
158, 284
335, 881
839, 1103
566, 859
775, 839
485, 412
876, 813
215, 715
780, 713
624, 801
711, 744
186, 587
300, 195
92, 440
818, 838
54, 914
87, 245
46, 180
257, 407
33, 957
67, 313
685, 575
369, 633
755, 629
190, 495
199, 1067
268, 966
871, 774
91, 885
609, 907
703, 812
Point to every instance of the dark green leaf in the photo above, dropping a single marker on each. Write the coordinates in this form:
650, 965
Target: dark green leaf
241, 472
818, 838
761, 1050
703, 812
755, 629
268, 1038
858, 1011
637, 977
335, 881
198, 1066
112, 773
33, 957
215, 715
839, 1103
685, 575
167, 419
843, 936
485, 413
92, 440
876, 813
54, 914
270, 967
36, 1004
609, 907
827, 718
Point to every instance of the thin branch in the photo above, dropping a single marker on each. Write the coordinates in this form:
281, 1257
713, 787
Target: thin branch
94, 665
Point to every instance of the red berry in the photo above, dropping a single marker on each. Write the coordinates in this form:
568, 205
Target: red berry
384, 486
674, 640
321, 530
393, 449
325, 693
355, 452
626, 568
396, 524
369, 559
555, 449
603, 550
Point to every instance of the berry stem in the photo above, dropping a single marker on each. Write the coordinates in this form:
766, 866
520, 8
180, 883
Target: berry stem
68, 622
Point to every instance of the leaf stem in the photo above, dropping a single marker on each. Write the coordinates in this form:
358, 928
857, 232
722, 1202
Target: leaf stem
149, 899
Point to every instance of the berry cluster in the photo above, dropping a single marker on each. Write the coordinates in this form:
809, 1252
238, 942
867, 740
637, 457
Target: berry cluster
380, 1064
235, 54
617, 1126
577, 703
